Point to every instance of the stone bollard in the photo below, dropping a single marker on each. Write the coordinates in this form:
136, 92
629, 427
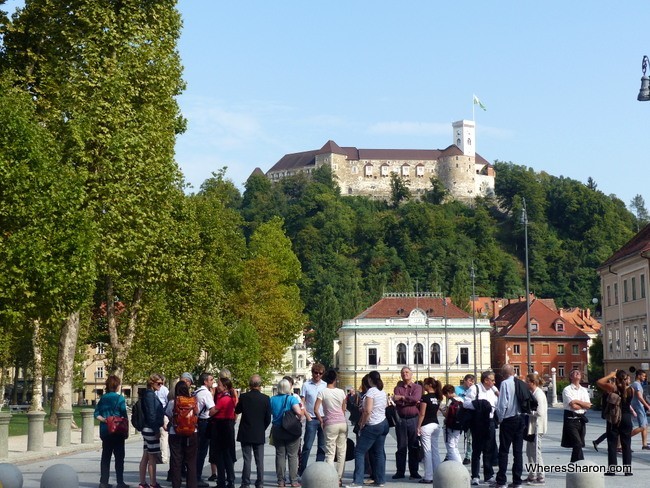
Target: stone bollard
63, 427
10, 476
583, 477
4, 435
451, 473
60, 476
320, 475
35, 430
87, 426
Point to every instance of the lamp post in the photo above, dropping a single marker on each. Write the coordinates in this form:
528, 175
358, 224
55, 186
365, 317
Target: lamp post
524, 220
473, 276
644, 92
554, 386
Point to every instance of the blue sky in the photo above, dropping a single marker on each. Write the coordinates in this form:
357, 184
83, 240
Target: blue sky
559, 80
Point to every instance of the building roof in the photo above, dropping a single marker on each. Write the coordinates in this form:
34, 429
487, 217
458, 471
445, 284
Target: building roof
402, 306
308, 158
512, 321
639, 244
582, 318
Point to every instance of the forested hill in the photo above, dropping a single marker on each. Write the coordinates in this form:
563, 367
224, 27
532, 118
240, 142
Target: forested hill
353, 249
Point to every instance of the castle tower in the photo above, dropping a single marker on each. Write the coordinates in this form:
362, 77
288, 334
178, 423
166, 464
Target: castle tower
464, 136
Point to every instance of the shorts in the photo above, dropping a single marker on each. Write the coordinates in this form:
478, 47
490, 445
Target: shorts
151, 441
641, 416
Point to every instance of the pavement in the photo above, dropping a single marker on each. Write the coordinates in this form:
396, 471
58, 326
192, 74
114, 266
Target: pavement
84, 458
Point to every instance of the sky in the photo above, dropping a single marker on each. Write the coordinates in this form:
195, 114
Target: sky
559, 80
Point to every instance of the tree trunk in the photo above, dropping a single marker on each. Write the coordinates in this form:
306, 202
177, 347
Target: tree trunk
37, 369
121, 348
14, 391
62, 397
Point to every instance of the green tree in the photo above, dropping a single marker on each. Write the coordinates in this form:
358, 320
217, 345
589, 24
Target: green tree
637, 204
326, 319
437, 193
399, 190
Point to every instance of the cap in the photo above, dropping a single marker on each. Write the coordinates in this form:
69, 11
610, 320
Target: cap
187, 376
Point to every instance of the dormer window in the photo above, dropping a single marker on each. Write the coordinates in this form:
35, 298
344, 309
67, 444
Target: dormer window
534, 326
559, 326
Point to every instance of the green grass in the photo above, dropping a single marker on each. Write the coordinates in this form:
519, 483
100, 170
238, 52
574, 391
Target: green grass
18, 422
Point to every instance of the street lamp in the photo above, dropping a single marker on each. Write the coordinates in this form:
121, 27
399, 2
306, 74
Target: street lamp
644, 92
524, 220
473, 275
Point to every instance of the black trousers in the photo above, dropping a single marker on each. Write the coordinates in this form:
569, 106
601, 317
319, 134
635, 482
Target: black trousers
183, 452
112, 445
624, 432
483, 444
511, 433
407, 442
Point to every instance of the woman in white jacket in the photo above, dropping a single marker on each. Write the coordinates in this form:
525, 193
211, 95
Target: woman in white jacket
537, 425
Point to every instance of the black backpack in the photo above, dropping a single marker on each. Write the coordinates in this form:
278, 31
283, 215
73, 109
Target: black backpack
137, 416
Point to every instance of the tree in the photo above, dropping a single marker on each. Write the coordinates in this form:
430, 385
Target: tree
399, 190
638, 207
591, 184
437, 193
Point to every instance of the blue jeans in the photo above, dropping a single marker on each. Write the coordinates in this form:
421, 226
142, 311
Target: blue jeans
312, 428
371, 440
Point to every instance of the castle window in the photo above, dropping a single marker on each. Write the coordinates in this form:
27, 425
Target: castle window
406, 171
419, 171
368, 170
385, 169
355, 170
335, 166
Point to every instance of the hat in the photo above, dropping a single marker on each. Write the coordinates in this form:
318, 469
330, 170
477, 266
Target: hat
187, 376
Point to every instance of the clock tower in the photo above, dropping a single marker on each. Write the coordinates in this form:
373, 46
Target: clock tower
464, 136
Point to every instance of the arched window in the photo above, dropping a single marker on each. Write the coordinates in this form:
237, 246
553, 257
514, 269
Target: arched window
418, 354
435, 353
401, 354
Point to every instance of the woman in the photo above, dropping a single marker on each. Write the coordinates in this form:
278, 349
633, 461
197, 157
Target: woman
222, 440
153, 421
623, 430
451, 435
428, 427
109, 405
373, 428
182, 448
537, 425
286, 446
334, 424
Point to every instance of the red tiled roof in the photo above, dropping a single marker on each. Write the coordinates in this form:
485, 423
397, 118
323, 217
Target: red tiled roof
639, 244
581, 318
514, 316
401, 307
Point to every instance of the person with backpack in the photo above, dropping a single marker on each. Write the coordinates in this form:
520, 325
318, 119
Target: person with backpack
182, 413
453, 428
619, 418
222, 438
286, 443
111, 404
153, 421
537, 426
482, 399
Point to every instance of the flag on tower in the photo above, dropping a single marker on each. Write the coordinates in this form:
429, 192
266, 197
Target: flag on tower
479, 103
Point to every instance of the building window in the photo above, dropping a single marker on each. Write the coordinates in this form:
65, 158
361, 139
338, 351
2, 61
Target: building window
642, 283
627, 338
419, 171
546, 349
516, 349
624, 291
406, 171
644, 337
609, 296
355, 170
633, 288
559, 326
401, 354
560, 370
575, 349
635, 338
368, 170
435, 353
532, 349
610, 341
534, 326
464, 355
615, 293
618, 340
101, 348
385, 170
418, 354
517, 369
560, 348
372, 356
99, 372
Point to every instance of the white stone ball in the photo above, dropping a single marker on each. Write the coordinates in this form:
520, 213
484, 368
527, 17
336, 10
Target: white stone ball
10, 476
60, 476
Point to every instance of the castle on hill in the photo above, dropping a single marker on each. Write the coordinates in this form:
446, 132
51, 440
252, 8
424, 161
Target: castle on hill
367, 172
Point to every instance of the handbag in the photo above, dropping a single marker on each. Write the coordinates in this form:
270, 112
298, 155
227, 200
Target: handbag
118, 425
392, 416
290, 421
349, 451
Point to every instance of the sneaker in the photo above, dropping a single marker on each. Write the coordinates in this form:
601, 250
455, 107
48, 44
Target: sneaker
645, 448
595, 446
122, 485
212, 477
369, 481
513, 485
467, 461
425, 482
415, 476
353, 486
490, 481
476, 482
399, 476
143, 485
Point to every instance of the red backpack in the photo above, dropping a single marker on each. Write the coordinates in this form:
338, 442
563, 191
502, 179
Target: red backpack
184, 418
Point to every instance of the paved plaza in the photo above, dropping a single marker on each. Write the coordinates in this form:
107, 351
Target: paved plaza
85, 459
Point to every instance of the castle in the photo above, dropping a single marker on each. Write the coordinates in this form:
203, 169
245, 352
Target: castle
367, 172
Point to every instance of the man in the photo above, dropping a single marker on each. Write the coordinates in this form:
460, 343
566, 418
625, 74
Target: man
310, 390
640, 406
205, 404
576, 401
407, 396
483, 425
511, 430
187, 378
468, 382
255, 410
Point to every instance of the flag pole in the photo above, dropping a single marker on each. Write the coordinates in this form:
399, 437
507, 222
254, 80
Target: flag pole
473, 108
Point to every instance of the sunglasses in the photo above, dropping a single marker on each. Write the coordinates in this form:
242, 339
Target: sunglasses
159, 383
319, 373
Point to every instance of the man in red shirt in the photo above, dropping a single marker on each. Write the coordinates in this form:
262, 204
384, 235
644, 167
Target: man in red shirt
407, 396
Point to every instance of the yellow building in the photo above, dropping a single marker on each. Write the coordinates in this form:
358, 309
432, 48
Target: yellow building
423, 331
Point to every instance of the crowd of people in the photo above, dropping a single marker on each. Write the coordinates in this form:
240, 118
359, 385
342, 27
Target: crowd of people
493, 423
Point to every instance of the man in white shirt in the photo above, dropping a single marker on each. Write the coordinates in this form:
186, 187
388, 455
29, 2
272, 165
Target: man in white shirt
576, 401
205, 404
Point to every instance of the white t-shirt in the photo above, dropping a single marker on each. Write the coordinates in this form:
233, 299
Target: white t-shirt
378, 412
204, 401
332, 400
572, 392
